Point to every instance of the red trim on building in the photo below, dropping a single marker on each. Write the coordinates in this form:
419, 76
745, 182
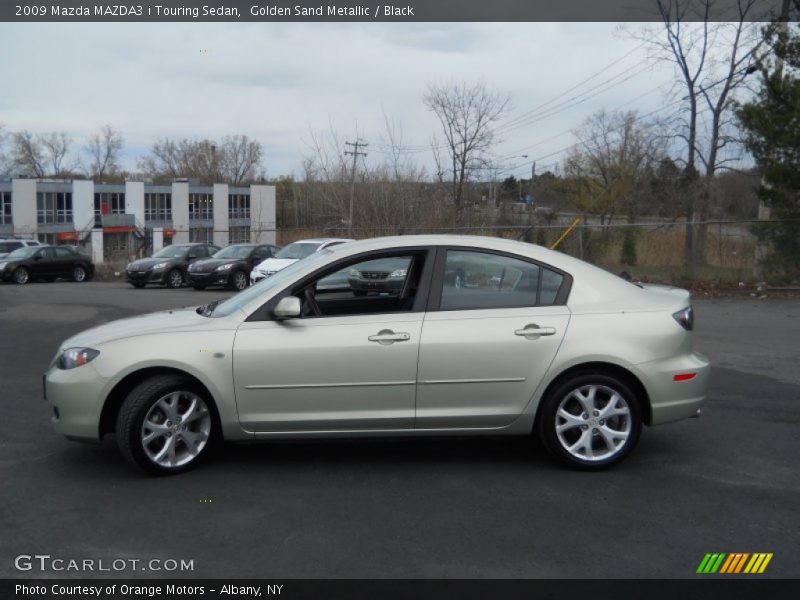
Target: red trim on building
67, 236
118, 229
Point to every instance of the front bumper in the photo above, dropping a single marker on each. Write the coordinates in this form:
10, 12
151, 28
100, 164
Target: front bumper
149, 276
76, 400
672, 400
213, 278
375, 285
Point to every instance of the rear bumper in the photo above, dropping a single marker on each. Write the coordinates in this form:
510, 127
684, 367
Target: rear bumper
672, 400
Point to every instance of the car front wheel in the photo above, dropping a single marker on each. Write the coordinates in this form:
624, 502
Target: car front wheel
79, 274
174, 278
165, 425
21, 276
239, 281
590, 421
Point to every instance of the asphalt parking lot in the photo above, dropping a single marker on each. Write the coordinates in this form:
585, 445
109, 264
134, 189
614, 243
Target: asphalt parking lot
727, 482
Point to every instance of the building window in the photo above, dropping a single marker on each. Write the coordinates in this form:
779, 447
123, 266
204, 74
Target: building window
157, 207
5, 208
109, 203
239, 235
53, 207
201, 234
201, 207
238, 206
47, 238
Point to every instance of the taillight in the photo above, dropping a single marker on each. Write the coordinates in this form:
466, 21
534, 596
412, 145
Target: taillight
685, 318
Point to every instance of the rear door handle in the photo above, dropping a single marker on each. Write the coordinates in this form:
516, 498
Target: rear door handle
534, 332
386, 336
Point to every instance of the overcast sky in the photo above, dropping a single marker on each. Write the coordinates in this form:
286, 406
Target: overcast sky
278, 82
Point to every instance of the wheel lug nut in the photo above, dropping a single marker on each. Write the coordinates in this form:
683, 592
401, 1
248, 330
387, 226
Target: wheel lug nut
585, 416
169, 423
594, 430
602, 421
584, 427
595, 413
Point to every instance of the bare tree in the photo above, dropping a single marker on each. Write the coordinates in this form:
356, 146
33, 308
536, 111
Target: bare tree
27, 154
235, 159
104, 148
56, 152
3, 159
614, 153
712, 58
467, 115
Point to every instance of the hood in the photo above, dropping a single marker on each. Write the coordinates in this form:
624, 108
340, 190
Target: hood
275, 264
146, 263
209, 264
4, 254
159, 322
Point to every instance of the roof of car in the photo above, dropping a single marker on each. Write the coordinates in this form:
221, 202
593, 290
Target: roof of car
322, 240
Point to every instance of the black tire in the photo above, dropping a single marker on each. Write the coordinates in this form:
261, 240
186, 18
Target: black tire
240, 277
199, 287
130, 420
547, 420
172, 279
138, 285
21, 276
79, 274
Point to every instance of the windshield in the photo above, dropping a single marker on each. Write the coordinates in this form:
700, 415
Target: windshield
23, 252
171, 252
9, 246
279, 280
298, 250
234, 252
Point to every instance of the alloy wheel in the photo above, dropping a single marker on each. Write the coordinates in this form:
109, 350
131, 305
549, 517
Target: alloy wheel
239, 280
78, 274
176, 429
21, 276
175, 278
593, 422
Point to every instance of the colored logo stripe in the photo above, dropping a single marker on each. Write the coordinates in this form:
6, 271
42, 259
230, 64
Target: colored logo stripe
734, 563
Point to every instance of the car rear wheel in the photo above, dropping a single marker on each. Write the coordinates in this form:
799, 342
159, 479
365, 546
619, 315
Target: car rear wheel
239, 281
166, 425
174, 278
79, 274
21, 276
590, 421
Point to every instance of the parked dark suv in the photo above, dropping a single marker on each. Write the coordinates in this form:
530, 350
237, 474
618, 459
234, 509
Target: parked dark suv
230, 267
47, 263
167, 266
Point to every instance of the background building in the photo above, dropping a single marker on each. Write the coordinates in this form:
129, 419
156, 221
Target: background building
120, 221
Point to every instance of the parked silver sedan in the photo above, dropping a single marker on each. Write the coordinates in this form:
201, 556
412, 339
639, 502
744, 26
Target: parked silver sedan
484, 337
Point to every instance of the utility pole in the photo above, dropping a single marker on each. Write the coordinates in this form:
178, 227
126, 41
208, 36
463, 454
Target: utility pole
762, 247
355, 153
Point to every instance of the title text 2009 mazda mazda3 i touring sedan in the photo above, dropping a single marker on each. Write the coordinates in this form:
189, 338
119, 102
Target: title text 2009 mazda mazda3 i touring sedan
484, 336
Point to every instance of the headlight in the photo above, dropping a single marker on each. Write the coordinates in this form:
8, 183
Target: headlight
354, 273
3, 265
225, 267
160, 265
76, 357
398, 273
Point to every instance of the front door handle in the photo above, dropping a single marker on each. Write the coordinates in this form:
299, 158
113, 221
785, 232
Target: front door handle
386, 336
534, 332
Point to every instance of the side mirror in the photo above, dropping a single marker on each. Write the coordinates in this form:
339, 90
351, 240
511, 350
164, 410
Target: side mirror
287, 308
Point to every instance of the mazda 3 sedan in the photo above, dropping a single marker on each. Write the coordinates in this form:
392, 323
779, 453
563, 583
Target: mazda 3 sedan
484, 337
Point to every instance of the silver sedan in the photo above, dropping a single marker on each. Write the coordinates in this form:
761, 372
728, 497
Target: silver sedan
485, 336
